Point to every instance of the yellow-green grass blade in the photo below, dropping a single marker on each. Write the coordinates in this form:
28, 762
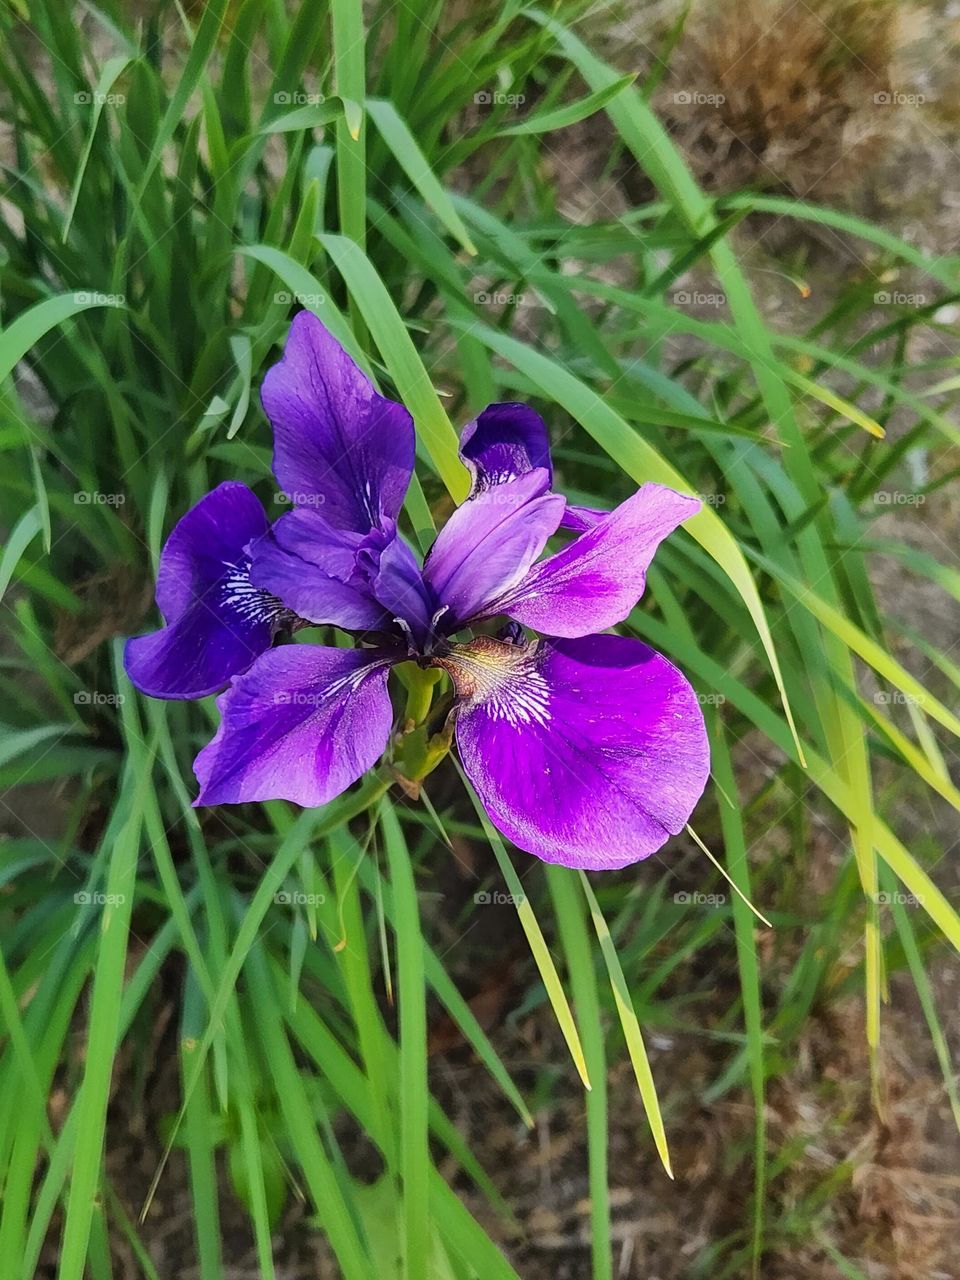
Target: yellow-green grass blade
538, 944
576, 946
630, 1025
414, 1089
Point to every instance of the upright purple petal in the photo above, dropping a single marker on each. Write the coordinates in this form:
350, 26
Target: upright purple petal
489, 543
302, 724
595, 581
338, 443
503, 443
217, 620
590, 753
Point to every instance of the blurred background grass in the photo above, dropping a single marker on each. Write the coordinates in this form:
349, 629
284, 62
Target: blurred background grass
714, 247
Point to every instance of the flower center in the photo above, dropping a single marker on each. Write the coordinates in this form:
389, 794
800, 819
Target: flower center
504, 677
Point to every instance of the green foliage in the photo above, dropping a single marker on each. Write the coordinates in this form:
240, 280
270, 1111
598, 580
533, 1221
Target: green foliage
179, 184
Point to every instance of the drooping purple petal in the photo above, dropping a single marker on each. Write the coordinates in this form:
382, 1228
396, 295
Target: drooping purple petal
503, 443
217, 620
302, 724
360, 582
589, 753
338, 444
489, 543
312, 567
595, 581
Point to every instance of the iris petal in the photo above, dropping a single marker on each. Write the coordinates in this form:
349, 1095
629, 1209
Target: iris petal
217, 620
589, 753
503, 443
489, 543
596, 580
360, 582
302, 724
338, 444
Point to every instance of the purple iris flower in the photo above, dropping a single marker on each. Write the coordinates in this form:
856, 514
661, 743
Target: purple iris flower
586, 749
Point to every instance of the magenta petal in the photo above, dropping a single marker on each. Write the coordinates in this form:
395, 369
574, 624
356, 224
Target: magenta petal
489, 543
503, 443
217, 620
302, 724
590, 753
338, 444
594, 582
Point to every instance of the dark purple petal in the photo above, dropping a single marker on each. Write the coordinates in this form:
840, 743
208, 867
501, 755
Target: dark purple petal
337, 443
360, 582
594, 582
590, 753
217, 620
302, 724
489, 543
503, 443
312, 568
396, 582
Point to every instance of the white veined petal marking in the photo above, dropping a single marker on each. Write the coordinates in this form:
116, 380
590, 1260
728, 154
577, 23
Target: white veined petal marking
504, 678
251, 603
